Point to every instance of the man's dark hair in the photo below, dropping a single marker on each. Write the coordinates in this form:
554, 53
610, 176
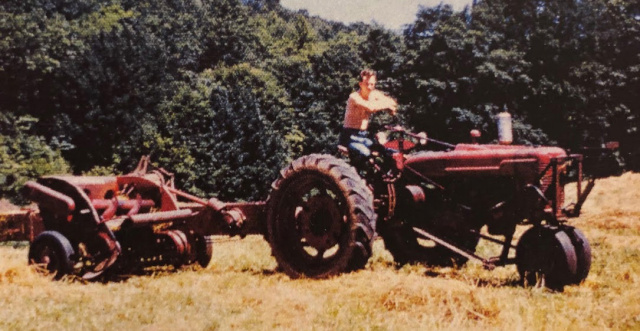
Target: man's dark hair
366, 73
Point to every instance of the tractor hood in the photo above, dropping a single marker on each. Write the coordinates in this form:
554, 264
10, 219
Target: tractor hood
483, 160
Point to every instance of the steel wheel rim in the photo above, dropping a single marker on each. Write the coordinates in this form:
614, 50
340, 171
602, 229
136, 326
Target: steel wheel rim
315, 233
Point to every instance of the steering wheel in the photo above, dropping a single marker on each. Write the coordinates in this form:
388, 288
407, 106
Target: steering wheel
399, 139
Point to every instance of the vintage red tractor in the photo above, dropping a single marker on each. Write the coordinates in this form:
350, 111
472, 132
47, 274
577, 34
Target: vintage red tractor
429, 207
323, 213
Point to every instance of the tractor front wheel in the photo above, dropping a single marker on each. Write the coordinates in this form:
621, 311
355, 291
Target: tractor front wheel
583, 253
545, 257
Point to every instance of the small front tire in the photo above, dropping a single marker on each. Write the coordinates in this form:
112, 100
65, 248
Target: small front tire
545, 257
583, 253
54, 252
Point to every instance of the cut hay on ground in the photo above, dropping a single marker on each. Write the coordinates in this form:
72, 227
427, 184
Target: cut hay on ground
241, 289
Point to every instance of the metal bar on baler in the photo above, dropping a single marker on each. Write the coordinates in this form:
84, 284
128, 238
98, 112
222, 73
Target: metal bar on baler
46, 196
214, 203
159, 217
123, 204
186, 195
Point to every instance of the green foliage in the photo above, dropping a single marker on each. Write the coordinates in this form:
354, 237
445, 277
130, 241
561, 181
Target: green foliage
24, 156
225, 92
566, 70
225, 132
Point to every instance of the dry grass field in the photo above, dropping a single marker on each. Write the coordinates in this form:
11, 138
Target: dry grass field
242, 290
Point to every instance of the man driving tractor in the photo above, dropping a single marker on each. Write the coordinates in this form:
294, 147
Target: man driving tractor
361, 104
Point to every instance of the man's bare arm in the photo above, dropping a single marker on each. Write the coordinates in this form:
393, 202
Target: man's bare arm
377, 102
388, 102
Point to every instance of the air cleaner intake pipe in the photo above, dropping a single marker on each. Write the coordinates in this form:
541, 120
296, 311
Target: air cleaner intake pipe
505, 130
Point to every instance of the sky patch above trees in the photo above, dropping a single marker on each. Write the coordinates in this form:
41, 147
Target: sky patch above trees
391, 14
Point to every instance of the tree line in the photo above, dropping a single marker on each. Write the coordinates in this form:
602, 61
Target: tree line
226, 92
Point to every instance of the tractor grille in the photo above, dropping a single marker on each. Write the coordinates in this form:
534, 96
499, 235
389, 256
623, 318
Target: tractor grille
555, 196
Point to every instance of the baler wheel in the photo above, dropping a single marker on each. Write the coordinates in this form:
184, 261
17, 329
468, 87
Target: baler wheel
546, 257
180, 248
583, 253
54, 252
320, 218
204, 250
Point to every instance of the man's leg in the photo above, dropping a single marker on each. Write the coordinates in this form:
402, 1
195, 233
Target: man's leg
359, 148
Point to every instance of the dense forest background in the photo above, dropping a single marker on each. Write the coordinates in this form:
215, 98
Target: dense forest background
226, 92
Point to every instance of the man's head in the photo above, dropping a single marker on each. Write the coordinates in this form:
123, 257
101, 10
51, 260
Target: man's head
367, 81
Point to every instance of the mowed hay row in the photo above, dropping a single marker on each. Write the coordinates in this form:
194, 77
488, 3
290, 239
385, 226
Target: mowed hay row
242, 289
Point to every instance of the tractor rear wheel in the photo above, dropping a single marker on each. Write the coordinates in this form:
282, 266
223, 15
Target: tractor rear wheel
53, 252
546, 257
320, 218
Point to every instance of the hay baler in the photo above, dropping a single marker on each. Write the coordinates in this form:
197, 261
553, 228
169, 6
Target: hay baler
95, 223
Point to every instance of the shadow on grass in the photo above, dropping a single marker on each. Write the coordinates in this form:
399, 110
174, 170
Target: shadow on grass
488, 281
166, 271
115, 275
456, 273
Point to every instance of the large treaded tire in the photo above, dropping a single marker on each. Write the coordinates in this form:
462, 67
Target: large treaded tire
320, 218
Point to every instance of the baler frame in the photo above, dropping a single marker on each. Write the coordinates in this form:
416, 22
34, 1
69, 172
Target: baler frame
138, 219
